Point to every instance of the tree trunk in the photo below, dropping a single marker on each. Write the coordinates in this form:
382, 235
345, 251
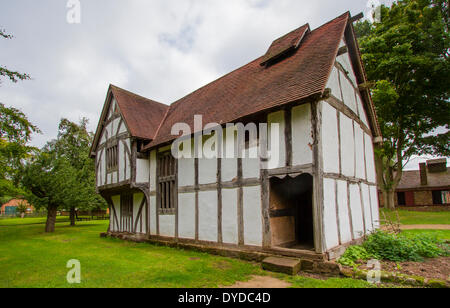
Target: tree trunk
72, 216
389, 199
51, 219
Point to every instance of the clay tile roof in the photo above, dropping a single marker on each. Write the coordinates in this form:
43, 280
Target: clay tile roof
285, 43
141, 115
411, 179
254, 88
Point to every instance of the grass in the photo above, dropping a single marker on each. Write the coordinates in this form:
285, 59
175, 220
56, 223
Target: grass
31, 258
419, 218
439, 234
29, 221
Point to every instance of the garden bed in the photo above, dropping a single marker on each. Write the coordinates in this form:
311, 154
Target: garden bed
437, 268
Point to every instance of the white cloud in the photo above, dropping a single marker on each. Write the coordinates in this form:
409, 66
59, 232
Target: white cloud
162, 49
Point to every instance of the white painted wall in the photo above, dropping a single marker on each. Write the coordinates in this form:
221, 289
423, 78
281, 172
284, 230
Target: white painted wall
167, 225
229, 216
142, 170
277, 140
333, 83
367, 208
186, 172
250, 165
348, 92
252, 216
207, 216
356, 211
207, 171
302, 135
347, 146
374, 203
137, 200
152, 171
330, 139
329, 214
370, 159
359, 153
186, 212
343, 212
116, 204
153, 230
229, 159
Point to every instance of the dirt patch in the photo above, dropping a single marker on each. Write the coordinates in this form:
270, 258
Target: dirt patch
425, 227
438, 268
223, 265
261, 282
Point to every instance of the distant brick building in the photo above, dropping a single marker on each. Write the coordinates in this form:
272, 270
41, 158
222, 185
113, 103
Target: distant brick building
10, 207
429, 186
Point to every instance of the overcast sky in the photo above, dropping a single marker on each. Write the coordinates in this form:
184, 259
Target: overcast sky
161, 49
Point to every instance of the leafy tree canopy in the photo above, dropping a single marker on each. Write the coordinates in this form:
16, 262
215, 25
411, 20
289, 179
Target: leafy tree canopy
406, 56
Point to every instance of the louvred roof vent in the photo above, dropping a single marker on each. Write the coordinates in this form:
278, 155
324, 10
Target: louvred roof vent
285, 44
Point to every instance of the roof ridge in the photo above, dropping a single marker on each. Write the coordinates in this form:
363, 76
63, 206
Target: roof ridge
136, 95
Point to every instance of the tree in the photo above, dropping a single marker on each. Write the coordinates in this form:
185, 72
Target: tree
406, 57
61, 175
4, 72
15, 133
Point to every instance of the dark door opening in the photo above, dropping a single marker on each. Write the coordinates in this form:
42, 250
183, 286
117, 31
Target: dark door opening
291, 212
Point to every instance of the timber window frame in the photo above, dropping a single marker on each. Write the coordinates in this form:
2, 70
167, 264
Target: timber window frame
126, 212
167, 184
112, 158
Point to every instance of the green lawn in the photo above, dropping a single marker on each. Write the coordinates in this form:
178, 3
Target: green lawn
439, 234
31, 258
419, 218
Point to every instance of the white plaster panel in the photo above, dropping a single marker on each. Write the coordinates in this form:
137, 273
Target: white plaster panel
153, 171
361, 112
114, 178
302, 135
167, 225
330, 139
207, 216
186, 172
345, 61
121, 162
153, 230
128, 173
359, 152
123, 128
343, 214
137, 200
333, 83
367, 210
229, 169
329, 214
115, 126
207, 171
229, 157
277, 143
374, 204
347, 146
186, 218
349, 94
116, 203
370, 159
356, 209
252, 216
250, 163
229, 216
142, 170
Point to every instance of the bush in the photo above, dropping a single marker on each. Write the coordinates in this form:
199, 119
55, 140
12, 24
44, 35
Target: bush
392, 247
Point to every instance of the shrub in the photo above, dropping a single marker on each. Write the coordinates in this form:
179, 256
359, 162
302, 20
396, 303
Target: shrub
353, 254
392, 247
